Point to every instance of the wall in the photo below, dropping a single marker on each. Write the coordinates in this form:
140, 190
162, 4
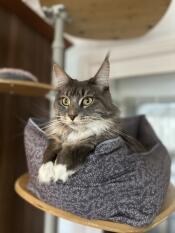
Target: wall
20, 47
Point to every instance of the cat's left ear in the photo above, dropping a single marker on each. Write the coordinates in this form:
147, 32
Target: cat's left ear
101, 78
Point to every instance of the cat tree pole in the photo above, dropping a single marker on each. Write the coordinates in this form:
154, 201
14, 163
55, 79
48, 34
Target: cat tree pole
58, 15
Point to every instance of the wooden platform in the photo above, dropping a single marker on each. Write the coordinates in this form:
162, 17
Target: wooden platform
169, 208
27, 88
111, 19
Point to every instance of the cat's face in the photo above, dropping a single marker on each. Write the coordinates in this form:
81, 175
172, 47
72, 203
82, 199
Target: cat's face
79, 103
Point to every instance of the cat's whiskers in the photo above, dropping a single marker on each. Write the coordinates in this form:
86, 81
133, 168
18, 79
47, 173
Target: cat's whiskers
88, 119
53, 127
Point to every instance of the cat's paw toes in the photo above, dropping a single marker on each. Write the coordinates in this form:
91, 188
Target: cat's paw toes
46, 172
61, 172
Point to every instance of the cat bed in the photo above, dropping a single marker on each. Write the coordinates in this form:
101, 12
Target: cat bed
114, 183
16, 74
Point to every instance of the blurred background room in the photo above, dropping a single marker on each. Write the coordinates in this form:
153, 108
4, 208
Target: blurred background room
140, 36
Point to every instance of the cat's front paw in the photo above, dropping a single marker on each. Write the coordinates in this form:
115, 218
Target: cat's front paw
46, 172
61, 172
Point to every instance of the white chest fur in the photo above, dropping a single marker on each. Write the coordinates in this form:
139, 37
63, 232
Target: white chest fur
92, 129
79, 135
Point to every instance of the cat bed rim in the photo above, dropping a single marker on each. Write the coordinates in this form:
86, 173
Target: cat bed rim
34, 120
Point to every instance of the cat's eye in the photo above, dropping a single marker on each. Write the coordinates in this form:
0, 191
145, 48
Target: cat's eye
65, 101
87, 101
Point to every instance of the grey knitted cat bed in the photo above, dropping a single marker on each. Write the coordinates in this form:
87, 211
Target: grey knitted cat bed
113, 184
16, 74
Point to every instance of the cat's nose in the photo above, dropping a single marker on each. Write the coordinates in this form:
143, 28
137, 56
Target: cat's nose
72, 116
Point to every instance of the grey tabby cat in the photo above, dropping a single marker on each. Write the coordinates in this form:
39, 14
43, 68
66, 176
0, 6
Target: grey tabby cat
84, 117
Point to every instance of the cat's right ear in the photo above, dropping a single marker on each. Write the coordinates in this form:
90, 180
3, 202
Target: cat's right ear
60, 75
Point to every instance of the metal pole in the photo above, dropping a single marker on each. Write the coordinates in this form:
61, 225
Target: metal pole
58, 15
50, 223
58, 43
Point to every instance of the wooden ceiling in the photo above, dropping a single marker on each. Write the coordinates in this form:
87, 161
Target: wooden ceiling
111, 19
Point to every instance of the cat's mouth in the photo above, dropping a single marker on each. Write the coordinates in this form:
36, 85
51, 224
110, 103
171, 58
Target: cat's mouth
70, 123
73, 124
76, 125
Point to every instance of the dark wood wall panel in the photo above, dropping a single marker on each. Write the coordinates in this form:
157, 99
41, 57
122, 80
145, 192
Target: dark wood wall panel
20, 47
